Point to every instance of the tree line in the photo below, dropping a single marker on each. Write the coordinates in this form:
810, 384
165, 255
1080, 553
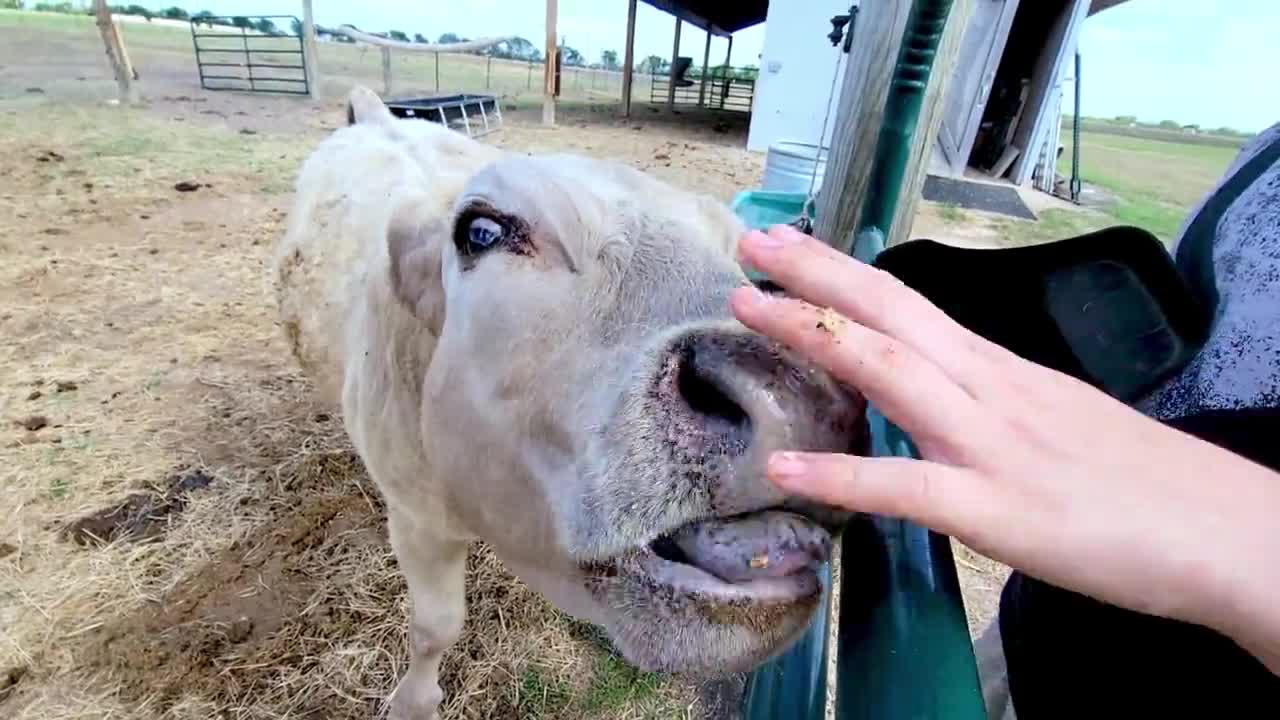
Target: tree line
517, 48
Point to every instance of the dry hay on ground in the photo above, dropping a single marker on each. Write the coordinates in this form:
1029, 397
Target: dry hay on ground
188, 533
143, 384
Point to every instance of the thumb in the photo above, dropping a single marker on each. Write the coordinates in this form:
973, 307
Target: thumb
944, 498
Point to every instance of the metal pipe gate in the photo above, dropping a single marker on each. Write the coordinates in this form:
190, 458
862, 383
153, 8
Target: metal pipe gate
250, 53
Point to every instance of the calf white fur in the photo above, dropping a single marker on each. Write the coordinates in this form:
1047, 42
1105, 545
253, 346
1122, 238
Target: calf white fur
538, 352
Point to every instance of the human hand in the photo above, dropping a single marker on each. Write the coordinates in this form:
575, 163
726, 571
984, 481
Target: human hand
1024, 464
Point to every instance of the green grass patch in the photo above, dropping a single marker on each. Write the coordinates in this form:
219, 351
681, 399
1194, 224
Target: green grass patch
163, 44
617, 685
1155, 182
152, 34
1159, 219
952, 213
541, 694
1054, 224
60, 487
132, 151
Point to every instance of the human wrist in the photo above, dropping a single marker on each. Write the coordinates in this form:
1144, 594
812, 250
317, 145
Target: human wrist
1245, 604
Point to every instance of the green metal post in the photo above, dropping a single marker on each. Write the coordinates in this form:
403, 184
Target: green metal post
795, 685
904, 649
925, 25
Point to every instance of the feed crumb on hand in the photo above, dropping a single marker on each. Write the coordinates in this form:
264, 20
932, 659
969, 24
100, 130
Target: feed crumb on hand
759, 562
829, 321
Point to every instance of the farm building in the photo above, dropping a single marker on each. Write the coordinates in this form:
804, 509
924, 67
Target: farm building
999, 116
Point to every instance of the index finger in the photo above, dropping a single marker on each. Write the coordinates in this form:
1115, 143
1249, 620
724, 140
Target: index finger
912, 391
817, 272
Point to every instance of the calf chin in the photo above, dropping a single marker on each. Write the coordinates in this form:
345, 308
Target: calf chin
699, 638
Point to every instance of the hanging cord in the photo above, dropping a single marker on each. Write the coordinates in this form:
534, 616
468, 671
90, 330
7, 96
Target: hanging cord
838, 33
813, 176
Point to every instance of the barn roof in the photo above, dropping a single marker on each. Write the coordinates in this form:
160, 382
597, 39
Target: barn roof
1099, 5
726, 18
720, 18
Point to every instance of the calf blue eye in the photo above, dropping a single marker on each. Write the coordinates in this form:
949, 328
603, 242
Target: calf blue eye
483, 234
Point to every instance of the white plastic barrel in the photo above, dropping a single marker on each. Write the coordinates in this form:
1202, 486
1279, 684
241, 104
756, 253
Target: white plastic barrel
788, 166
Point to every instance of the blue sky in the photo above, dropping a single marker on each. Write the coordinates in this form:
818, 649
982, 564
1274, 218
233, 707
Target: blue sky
1208, 62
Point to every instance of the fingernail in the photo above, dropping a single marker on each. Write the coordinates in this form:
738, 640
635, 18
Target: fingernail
771, 241
786, 468
752, 297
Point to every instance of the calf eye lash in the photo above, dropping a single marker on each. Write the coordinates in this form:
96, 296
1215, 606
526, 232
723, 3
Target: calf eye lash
515, 229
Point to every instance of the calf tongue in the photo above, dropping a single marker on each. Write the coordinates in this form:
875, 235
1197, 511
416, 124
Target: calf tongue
767, 544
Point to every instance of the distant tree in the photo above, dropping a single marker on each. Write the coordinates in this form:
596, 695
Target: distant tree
241, 21
397, 35
295, 26
202, 16
135, 10
571, 57
609, 59
1127, 119
654, 65
1170, 125
420, 38
266, 27
448, 37
748, 72
174, 13
519, 48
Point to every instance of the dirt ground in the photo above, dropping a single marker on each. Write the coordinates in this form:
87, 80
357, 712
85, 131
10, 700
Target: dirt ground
186, 533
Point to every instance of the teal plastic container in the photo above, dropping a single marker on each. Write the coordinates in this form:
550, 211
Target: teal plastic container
761, 209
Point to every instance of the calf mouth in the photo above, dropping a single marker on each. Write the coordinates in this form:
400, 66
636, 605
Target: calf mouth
768, 557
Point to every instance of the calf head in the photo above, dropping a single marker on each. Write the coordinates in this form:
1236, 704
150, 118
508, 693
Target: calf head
598, 417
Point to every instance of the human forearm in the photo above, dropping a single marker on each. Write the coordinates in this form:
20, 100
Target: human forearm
1248, 607
1026, 465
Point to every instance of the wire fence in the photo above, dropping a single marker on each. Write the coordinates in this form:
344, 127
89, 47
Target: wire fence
515, 82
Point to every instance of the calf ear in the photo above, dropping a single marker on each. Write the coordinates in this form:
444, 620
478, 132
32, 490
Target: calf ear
364, 106
724, 226
414, 245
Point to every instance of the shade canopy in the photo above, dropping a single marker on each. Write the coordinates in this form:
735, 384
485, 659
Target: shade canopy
726, 18
1098, 6
714, 16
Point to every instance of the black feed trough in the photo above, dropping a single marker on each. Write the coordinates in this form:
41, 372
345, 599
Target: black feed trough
471, 113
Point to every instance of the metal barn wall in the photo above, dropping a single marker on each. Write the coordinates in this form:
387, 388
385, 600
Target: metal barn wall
796, 66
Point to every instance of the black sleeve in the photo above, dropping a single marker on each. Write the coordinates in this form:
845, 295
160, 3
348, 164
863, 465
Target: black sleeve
1070, 656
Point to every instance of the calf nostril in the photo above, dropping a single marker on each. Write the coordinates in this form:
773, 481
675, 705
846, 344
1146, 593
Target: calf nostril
703, 395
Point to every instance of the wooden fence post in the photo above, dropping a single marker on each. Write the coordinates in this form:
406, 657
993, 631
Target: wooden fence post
629, 58
549, 86
859, 115
386, 71
115, 52
310, 53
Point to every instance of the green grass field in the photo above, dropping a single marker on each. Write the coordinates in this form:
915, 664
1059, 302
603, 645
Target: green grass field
1155, 182
1155, 177
340, 63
